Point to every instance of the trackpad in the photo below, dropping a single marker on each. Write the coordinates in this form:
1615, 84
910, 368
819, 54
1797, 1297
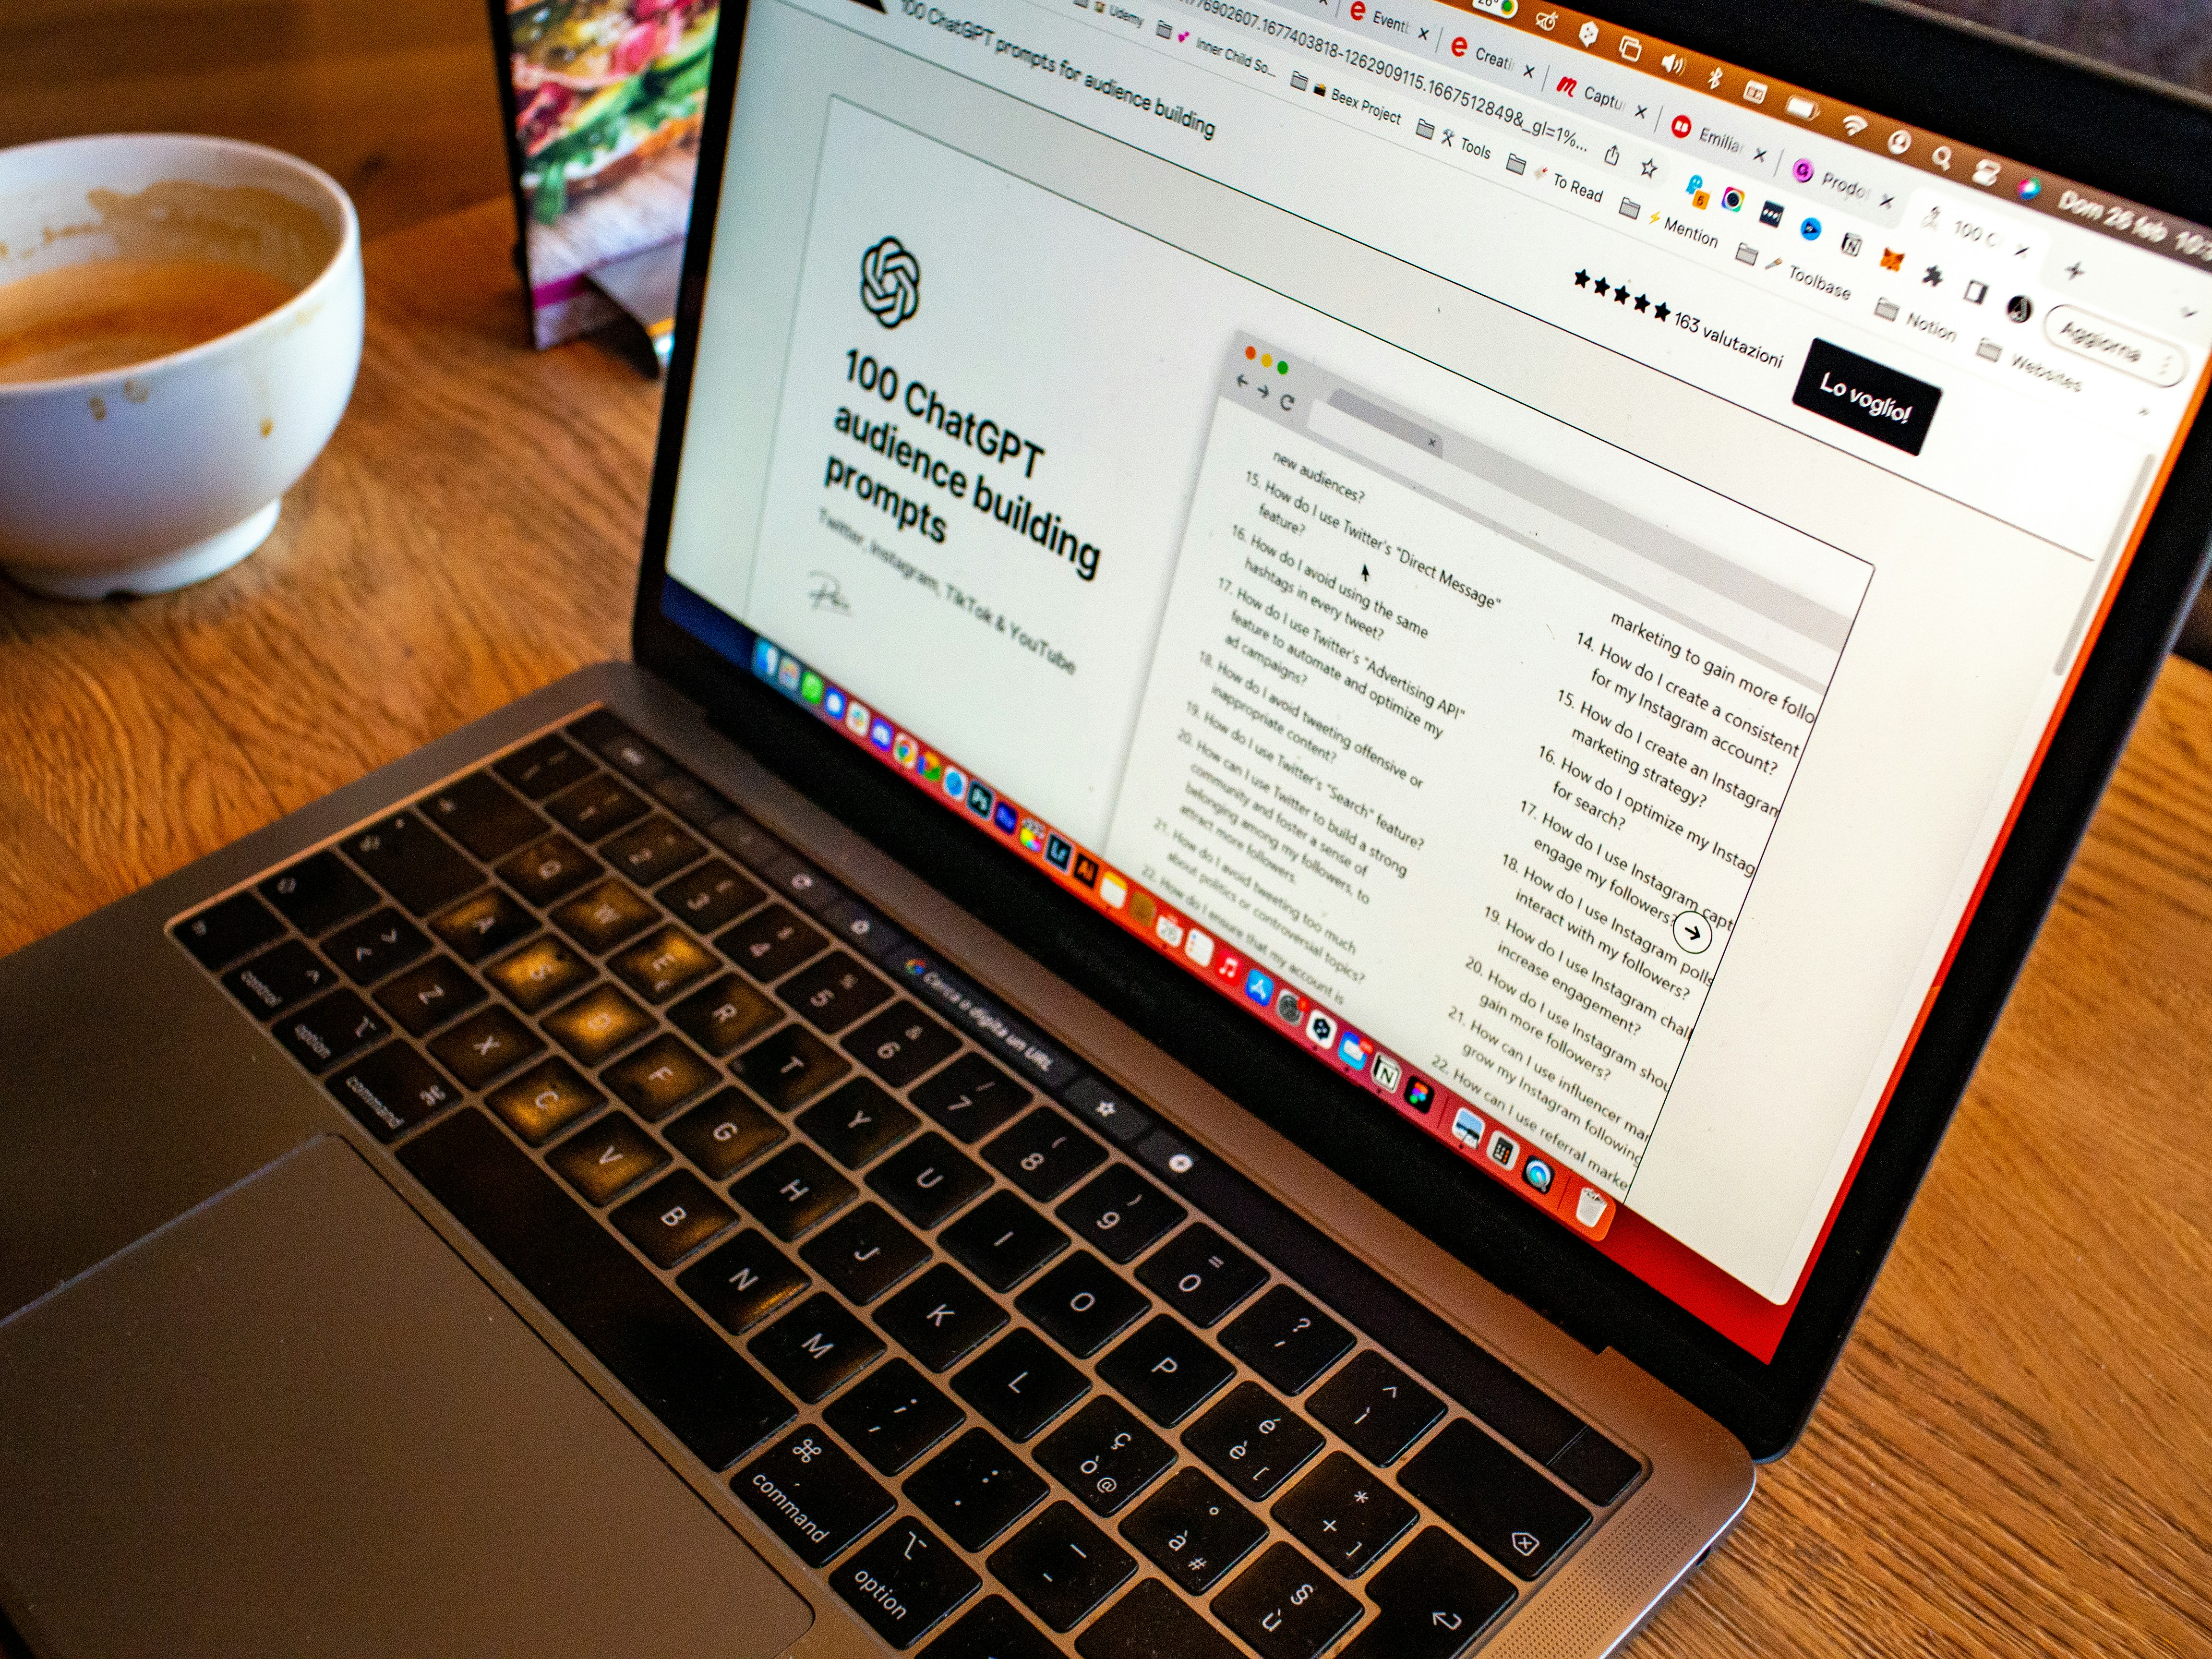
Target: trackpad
295, 1422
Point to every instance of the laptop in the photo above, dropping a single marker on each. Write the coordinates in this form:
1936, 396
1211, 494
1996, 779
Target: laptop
1346, 717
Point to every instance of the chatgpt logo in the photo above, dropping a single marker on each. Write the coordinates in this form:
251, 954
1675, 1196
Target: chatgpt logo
891, 283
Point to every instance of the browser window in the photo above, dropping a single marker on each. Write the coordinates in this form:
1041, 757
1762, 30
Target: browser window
1538, 572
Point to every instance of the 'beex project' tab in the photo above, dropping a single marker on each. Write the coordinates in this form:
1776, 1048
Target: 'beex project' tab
1867, 396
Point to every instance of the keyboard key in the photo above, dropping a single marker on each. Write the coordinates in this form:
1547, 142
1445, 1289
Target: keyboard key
476, 926
690, 799
607, 737
742, 1282
812, 1496
834, 991
892, 1416
324, 1033
1044, 1155
600, 1023
975, 1489
1504, 1506
482, 815
597, 807
612, 1154
278, 978
928, 1181
413, 863
1285, 1607
540, 767
1201, 1275
905, 1582
604, 914
1344, 1514
544, 1100
1286, 1339
793, 1192
940, 1317
1120, 1214
1253, 1441
1376, 1408
422, 999
540, 974
1152, 1622
724, 1135
1165, 1371
652, 851
971, 1097
1437, 1597
1082, 1304
665, 1354
863, 1255
486, 1046
723, 1016
662, 963
1106, 1109
816, 1348
788, 1067
711, 896
1596, 1467
548, 869
368, 950
393, 1090
1002, 1241
1104, 1456
1194, 1531
992, 1630
899, 1044
770, 944
672, 1218
659, 1077
858, 1123
1062, 1566
318, 893
1019, 1385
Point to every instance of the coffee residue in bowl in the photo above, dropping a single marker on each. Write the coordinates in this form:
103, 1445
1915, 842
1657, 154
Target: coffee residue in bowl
106, 314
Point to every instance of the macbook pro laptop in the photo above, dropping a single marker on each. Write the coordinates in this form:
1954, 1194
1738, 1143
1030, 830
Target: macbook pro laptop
1348, 714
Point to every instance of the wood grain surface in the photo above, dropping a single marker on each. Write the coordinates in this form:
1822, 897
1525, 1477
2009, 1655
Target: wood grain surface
2015, 1455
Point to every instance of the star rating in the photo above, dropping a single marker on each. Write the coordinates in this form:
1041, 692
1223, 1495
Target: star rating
1603, 288
1660, 311
1620, 294
1623, 294
1644, 303
1581, 279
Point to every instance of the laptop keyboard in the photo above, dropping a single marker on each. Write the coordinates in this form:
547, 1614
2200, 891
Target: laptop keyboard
1010, 1368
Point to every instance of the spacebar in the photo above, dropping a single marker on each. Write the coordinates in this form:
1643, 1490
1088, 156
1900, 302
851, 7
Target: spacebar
709, 1397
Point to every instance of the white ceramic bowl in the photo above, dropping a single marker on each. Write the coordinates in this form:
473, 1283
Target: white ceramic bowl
144, 479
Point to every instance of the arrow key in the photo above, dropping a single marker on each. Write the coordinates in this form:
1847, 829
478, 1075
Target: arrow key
1437, 1597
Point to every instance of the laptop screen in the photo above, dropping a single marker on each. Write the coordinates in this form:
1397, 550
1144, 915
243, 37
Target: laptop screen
1537, 565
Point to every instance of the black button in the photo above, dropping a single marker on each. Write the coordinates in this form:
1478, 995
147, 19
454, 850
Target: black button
1253, 1441
659, 1077
793, 1192
892, 1416
324, 1033
992, 1630
544, 1100
1344, 1514
788, 1067
971, 1097
652, 851
1019, 1384
975, 1489
1152, 1622
904, 1582
928, 1181
1062, 1566
865, 1254
604, 914
1870, 397
540, 767
1201, 1275
899, 1044
816, 1348
742, 1282
1082, 1304
711, 896
1596, 1467
598, 1025
476, 926
834, 991
672, 1218
1285, 1607
1104, 1456
479, 812
723, 1016
1165, 1371
858, 1123
1505, 1507
375, 945
1437, 1597
1002, 1241
278, 978
413, 863
724, 1135
1286, 1339
1044, 1155
1376, 1408
662, 963
1120, 1214
548, 869
1194, 1531
598, 807
770, 944
612, 1154
940, 1317
318, 893
393, 1090
486, 1046
812, 1495
422, 999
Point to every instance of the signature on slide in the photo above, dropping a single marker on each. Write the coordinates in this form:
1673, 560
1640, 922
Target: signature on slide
827, 595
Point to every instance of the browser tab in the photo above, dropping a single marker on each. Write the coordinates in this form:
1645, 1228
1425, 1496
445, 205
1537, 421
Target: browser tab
1411, 26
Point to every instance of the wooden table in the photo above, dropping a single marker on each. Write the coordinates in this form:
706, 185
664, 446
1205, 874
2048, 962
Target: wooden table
2015, 1455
